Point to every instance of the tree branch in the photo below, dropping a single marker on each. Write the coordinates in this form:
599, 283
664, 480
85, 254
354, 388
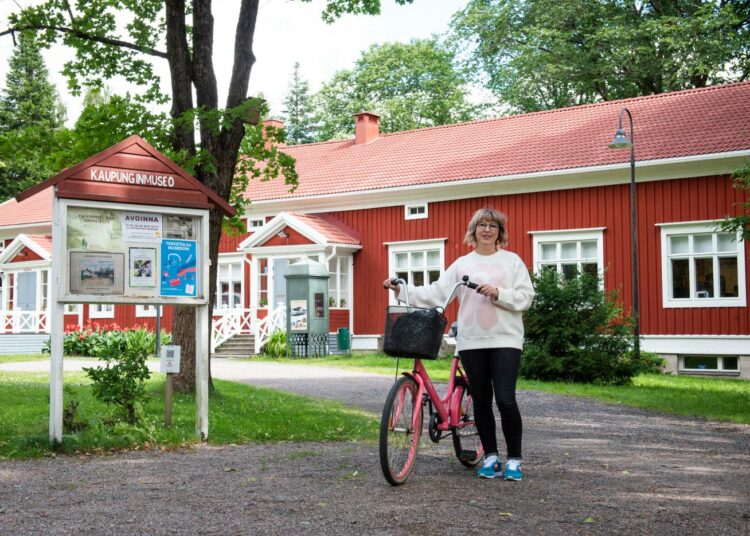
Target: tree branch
87, 37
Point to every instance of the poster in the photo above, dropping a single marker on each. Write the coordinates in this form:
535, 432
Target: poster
94, 229
96, 273
142, 267
140, 226
298, 315
182, 227
319, 305
178, 268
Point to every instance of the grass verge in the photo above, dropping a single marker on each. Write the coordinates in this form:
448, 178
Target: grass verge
237, 414
719, 399
17, 358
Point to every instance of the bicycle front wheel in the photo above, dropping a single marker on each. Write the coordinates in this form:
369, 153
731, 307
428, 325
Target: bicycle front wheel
400, 430
466, 441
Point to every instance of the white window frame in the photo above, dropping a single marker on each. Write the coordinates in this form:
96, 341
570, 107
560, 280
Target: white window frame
109, 312
414, 246
313, 252
692, 228
335, 289
232, 260
72, 308
147, 311
540, 238
719, 364
412, 212
252, 226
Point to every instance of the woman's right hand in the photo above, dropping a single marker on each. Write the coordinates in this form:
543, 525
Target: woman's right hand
387, 284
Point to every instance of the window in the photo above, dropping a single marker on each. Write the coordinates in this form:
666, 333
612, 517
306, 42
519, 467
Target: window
415, 212
418, 263
707, 363
569, 252
701, 267
262, 282
229, 285
146, 311
2, 282
44, 282
253, 224
101, 310
72, 308
338, 282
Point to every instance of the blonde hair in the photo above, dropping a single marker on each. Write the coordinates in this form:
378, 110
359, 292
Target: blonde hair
491, 215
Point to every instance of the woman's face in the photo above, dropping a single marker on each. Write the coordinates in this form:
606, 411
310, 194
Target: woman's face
486, 233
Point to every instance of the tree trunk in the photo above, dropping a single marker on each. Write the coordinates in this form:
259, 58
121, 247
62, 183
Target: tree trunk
223, 145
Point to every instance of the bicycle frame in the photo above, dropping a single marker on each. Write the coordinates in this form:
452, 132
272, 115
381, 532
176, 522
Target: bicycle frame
446, 407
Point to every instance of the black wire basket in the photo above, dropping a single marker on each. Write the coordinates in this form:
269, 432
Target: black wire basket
413, 332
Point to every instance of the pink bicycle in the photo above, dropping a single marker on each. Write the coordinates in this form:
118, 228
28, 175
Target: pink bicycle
416, 333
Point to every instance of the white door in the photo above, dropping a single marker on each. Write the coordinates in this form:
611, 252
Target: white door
25, 300
26, 289
280, 267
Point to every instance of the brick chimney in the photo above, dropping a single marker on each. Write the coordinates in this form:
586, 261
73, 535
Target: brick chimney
276, 123
366, 127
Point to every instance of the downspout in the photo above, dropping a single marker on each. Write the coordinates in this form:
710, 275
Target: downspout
328, 260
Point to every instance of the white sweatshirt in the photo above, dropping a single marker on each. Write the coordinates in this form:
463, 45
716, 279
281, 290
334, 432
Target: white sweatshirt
482, 322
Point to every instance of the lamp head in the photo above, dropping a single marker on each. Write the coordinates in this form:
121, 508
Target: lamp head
621, 140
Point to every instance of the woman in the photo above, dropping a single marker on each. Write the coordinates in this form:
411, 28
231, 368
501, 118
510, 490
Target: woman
490, 332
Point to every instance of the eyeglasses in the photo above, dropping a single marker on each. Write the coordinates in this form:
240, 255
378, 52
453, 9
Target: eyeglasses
488, 226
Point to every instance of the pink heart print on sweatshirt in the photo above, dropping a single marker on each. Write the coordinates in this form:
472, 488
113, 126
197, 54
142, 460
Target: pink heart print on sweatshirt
479, 308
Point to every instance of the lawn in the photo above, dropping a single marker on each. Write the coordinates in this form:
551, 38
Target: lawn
16, 358
720, 399
237, 414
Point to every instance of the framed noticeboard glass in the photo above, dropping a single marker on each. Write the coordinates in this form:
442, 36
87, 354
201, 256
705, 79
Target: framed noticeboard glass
142, 267
96, 273
128, 253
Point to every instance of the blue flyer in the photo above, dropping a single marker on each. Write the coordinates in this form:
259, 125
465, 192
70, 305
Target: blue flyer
178, 273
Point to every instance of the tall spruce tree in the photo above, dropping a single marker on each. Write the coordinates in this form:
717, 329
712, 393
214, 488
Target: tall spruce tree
30, 115
298, 115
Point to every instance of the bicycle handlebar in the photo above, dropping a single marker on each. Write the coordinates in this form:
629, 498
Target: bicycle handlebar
464, 282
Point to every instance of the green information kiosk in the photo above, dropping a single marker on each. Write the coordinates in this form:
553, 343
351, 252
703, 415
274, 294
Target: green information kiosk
307, 308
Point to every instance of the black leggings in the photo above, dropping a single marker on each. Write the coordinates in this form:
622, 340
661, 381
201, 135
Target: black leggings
495, 367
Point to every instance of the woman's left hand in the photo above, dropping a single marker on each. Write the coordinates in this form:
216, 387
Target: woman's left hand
488, 290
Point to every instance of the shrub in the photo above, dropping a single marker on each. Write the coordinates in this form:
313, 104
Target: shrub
122, 381
276, 345
577, 332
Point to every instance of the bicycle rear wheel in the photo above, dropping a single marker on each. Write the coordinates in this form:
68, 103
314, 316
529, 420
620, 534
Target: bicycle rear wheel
399, 436
466, 441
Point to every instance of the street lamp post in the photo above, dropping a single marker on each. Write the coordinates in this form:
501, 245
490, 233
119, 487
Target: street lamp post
621, 142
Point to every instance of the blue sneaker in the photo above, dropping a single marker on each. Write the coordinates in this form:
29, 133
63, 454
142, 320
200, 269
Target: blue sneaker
491, 468
513, 470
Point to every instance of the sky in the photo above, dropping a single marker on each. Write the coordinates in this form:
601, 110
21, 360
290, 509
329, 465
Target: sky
286, 31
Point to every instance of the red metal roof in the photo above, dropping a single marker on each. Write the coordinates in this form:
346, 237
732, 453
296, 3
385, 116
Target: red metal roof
37, 209
693, 122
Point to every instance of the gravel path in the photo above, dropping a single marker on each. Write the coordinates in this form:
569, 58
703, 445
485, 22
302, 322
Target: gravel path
590, 468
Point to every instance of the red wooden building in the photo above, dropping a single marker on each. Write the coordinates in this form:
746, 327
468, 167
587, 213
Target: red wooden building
398, 204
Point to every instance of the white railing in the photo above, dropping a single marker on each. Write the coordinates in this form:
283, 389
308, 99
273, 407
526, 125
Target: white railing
276, 319
24, 322
232, 322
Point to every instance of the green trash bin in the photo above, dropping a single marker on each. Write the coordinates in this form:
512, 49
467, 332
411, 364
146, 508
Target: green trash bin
342, 339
